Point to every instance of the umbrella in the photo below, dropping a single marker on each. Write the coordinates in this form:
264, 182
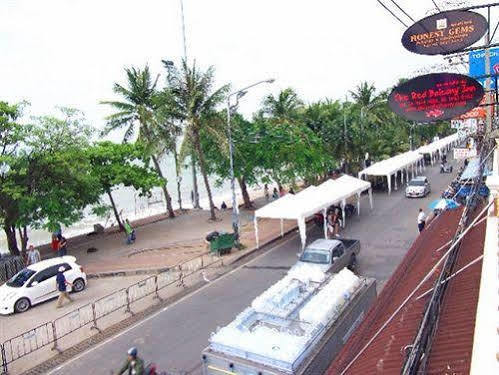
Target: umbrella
443, 204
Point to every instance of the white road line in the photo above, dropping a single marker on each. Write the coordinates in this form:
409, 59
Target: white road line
294, 233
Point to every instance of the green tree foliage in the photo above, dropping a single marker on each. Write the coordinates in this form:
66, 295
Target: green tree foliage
47, 180
136, 114
116, 165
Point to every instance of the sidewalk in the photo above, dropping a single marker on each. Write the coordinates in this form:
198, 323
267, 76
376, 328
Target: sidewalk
163, 242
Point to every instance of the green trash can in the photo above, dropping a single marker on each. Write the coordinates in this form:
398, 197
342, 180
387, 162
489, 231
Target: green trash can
222, 244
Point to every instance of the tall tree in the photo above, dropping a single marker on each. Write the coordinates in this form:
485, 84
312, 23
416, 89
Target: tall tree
283, 107
12, 135
192, 98
136, 113
47, 180
121, 164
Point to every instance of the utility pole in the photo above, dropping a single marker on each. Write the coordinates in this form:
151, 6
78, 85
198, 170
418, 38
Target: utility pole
488, 125
195, 192
345, 132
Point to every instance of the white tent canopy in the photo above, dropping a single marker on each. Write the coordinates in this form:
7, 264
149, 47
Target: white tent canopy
406, 162
312, 200
438, 146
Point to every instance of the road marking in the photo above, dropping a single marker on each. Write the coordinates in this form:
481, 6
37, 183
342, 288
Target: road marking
293, 235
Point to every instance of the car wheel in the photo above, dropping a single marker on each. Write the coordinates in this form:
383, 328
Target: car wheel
78, 285
352, 266
22, 305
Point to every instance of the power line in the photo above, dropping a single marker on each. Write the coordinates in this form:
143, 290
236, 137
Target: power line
403, 11
436, 6
393, 14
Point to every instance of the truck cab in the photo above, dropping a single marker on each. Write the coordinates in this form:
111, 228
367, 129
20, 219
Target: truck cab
329, 255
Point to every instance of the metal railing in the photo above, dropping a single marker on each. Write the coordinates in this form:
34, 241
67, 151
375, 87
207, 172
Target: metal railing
91, 314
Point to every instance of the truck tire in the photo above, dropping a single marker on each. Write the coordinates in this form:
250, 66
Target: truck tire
352, 265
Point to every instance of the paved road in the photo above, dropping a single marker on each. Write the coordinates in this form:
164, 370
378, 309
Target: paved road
175, 336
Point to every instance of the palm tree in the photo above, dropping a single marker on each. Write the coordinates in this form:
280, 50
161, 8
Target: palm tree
283, 107
192, 99
136, 114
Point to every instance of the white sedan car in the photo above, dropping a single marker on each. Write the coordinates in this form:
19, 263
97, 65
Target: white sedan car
418, 187
36, 283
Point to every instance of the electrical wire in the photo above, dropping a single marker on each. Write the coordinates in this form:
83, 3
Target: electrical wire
393, 14
436, 6
403, 11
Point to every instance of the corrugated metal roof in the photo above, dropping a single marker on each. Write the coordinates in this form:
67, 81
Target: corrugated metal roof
452, 345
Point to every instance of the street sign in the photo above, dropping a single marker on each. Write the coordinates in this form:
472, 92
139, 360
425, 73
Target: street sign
477, 65
445, 32
464, 153
436, 96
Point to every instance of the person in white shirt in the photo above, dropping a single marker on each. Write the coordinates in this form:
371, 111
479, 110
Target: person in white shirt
33, 255
421, 220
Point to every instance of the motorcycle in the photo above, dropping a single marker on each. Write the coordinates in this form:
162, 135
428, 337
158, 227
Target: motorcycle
445, 168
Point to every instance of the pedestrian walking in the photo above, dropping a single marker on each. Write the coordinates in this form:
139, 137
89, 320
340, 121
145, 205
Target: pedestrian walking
61, 287
275, 194
421, 220
33, 255
282, 192
55, 243
223, 206
62, 247
130, 232
266, 192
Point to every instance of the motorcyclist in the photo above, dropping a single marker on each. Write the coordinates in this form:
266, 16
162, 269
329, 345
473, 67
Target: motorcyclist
133, 365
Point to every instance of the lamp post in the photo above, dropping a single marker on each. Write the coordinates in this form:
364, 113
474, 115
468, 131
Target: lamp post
235, 209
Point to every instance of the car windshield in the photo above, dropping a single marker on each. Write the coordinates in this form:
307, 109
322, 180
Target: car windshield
416, 183
20, 278
315, 256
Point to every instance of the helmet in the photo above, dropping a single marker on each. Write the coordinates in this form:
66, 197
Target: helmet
132, 351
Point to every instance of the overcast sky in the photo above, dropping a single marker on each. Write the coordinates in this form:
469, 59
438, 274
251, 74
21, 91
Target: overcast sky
69, 52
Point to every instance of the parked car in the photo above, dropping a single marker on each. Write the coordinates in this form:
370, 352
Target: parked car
330, 255
418, 187
36, 283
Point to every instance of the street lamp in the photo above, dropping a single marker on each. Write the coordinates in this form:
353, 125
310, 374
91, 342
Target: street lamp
235, 209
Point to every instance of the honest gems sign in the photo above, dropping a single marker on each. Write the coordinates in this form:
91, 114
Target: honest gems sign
445, 32
437, 96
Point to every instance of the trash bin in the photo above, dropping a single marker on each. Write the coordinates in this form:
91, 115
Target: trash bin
222, 244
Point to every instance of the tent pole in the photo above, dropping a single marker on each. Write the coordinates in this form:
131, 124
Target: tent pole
255, 223
324, 222
371, 197
343, 203
395, 184
282, 228
358, 204
389, 181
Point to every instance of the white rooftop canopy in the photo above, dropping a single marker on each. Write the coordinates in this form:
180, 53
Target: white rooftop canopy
438, 146
406, 161
312, 200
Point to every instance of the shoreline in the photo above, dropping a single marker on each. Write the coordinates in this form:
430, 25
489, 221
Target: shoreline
145, 217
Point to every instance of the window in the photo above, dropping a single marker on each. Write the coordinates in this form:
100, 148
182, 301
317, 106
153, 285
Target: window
49, 272
315, 256
20, 278
338, 251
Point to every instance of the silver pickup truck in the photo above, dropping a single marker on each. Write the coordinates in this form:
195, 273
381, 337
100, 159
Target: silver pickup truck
330, 255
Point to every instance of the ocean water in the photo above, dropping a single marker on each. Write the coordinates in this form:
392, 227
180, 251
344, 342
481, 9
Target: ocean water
134, 207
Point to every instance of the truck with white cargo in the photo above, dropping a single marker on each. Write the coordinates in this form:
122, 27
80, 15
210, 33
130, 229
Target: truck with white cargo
299, 324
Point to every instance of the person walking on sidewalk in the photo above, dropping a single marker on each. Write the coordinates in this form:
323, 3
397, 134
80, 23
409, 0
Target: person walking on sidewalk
61, 287
33, 255
421, 220
266, 192
130, 233
63, 246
